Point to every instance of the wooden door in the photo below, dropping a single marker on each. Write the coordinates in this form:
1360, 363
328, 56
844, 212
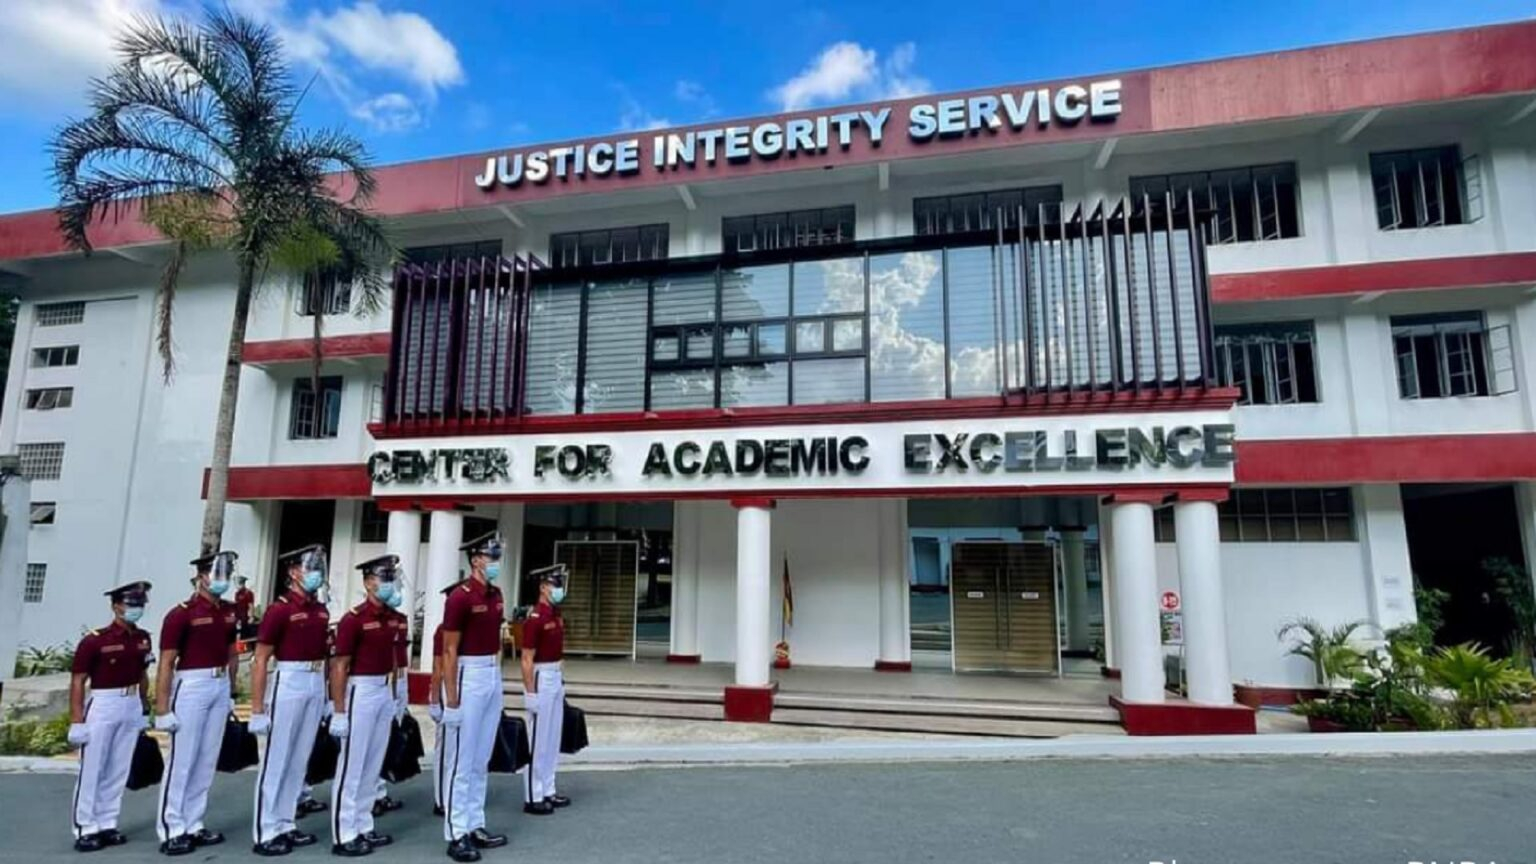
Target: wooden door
599, 608
1004, 601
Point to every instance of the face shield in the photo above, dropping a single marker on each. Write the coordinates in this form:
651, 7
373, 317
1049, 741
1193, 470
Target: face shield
221, 571
314, 570
392, 583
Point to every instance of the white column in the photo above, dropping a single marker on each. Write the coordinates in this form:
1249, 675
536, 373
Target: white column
404, 542
685, 579
1136, 616
753, 580
442, 569
1389, 572
1205, 610
1075, 574
895, 619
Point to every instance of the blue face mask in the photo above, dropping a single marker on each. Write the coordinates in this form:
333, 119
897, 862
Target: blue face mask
132, 614
386, 590
313, 579
395, 601
557, 595
493, 570
217, 587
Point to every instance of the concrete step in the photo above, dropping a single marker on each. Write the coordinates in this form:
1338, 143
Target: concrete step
932, 707
941, 725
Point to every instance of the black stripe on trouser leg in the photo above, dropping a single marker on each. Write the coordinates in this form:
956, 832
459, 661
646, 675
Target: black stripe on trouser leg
533, 749
261, 779
458, 745
339, 786
74, 814
170, 767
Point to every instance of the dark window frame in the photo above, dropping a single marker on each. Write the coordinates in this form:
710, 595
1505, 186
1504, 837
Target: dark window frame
55, 357
324, 424
1302, 514
935, 215
1407, 196
49, 398
1237, 214
373, 523
1446, 340
1271, 347
569, 250
806, 228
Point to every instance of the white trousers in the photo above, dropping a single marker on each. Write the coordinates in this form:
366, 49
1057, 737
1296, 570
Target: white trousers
294, 696
544, 727
468, 748
439, 771
115, 718
200, 701
370, 707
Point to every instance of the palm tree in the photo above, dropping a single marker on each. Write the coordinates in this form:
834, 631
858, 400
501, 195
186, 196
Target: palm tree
194, 131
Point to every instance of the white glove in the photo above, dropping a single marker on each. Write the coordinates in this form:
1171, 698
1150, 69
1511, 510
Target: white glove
453, 716
260, 724
167, 722
326, 710
531, 703
339, 726
79, 734
435, 711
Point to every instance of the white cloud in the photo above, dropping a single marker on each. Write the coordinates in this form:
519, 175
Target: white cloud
389, 112
53, 48
848, 69
634, 117
402, 43
693, 93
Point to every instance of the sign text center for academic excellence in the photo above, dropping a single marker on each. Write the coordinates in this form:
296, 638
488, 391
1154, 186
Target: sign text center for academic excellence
1066, 105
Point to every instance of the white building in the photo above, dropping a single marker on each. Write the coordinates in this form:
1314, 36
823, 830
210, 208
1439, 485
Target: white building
1361, 289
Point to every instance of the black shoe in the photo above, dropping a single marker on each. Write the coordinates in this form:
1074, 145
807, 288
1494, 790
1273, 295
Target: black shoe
483, 840
385, 805
111, 837
89, 843
181, 844
463, 850
539, 808
272, 848
357, 847
557, 801
297, 838
437, 809
311, 805
375, 839
204, 837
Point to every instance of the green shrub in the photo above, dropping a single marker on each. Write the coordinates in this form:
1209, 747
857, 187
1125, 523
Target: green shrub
1483, 687
32, 660
1332, 650
34, 737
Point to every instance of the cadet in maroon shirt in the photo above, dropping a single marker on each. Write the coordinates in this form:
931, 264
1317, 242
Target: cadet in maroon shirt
111, 661
360, 692
198, 663
382, 803
544, 690
244, 600
435, 710
294, 631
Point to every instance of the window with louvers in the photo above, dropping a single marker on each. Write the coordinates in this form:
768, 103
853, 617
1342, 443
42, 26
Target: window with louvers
609, 246
979, 211
1273, 364
1249, 204
795, 229
613, 363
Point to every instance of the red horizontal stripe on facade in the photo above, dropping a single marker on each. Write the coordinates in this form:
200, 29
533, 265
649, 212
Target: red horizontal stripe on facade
1306, 82
276, 482
1418, 274
301, 350
1500, 456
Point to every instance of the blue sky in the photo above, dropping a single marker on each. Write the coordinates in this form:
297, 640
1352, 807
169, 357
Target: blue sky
422, 79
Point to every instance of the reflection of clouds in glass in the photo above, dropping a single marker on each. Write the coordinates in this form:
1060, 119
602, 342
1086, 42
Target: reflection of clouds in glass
841, 287
896, 298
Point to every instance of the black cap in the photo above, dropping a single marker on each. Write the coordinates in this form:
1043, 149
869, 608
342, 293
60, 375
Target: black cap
206, 562
132, 594
488, 545
297, 555
554, 575
382, 566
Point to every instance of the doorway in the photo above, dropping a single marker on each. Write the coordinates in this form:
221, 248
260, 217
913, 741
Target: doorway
1004, 606
1453, 529
599, 609
302, 523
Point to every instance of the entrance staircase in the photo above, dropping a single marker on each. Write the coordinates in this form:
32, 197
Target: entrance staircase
918, 715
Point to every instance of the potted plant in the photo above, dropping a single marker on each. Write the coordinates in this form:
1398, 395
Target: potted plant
1331, 650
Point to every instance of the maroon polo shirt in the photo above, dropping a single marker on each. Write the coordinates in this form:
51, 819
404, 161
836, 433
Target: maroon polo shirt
114, 656
200, 631
402, 629
244, 600
367, 635
474, 611
437, 641
544, 632
296, 627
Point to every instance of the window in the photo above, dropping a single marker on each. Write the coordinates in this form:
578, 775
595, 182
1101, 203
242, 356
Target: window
1287, 515
49, 398
476, 527
1273, 364
1246, 204
310, 417
795, 229
61, 355
611, 246
37, 576
957, 214
612, 365
41, 461
1162, 524
43, 512
1425, 188
453, 251
57, 314
374, 527
325, 294
1440, 356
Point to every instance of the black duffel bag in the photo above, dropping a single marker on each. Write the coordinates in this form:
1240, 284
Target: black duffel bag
238, 751
322, 759
573, 732
402, 756
511, 752
148, 765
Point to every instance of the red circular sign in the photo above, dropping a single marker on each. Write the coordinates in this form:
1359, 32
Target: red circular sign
1169, 601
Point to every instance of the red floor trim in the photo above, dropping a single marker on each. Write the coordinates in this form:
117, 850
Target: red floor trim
684, 659
1388, 459
893, 665
1178, 717
748, 704
269, 482
301, 350
1466, 271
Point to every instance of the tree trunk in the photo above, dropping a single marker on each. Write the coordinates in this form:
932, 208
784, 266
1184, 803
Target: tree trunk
229, 395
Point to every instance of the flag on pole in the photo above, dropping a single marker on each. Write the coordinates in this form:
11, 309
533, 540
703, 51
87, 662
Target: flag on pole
789, 600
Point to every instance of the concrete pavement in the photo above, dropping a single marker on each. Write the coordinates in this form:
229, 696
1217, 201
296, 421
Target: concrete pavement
1259, 809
